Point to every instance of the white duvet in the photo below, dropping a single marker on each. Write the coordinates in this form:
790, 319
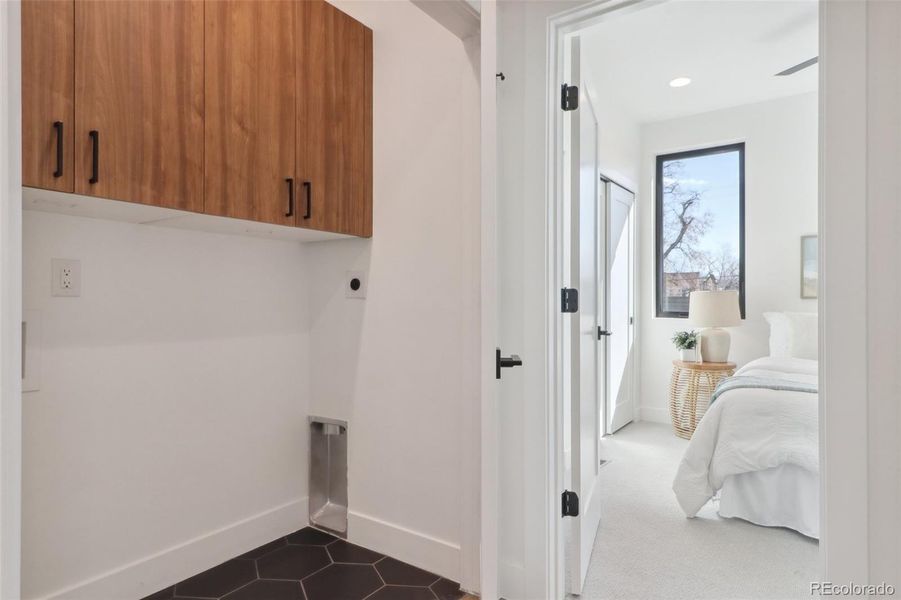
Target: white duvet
751, 430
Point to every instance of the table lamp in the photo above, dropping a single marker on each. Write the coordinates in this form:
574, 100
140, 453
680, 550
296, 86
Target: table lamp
711, 311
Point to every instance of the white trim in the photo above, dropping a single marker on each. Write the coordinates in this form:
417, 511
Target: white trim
488, 313
414, 547
883, 290
470, 440
860, 112
10, 301
167, 567
843, 298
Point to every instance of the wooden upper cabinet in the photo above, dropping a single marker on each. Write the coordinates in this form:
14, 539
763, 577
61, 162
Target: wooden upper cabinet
48, 115
334, 120
250, 112
139, 86
253, 109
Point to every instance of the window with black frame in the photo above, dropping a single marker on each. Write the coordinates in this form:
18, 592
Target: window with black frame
700, 225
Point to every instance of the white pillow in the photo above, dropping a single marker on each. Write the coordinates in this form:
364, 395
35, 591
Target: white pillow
792, 335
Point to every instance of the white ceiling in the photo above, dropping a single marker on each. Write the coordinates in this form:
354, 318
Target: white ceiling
731, 49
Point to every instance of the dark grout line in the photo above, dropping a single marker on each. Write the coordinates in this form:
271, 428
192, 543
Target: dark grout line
242, 587
374, 592
315, 572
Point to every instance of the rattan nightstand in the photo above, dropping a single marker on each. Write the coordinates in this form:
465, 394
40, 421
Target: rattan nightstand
690, 389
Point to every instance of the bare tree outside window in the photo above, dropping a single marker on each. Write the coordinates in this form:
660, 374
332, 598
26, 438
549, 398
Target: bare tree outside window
700, 225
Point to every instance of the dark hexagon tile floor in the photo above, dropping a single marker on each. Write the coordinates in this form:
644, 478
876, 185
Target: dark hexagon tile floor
402, 592
342, 582
312, 565
395, 572
293, 562
268, 589
218, 581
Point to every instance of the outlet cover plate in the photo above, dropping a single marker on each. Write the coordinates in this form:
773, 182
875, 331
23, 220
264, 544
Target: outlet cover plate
349, 285
65, 277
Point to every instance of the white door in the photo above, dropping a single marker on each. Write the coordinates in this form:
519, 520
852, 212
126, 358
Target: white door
620, 320
514, 453
586, 352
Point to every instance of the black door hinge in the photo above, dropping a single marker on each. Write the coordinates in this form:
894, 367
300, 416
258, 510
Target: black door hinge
569, 300
570, 504
569, 97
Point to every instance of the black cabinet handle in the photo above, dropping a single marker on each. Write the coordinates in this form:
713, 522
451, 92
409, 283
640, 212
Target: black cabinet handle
95, 156
58, 126
290, 182
308, 188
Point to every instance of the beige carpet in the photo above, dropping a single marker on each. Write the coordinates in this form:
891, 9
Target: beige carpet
647, 550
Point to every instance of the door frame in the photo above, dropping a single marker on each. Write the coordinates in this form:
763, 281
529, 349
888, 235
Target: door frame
10, 301
559, 27
488, 415
853, 37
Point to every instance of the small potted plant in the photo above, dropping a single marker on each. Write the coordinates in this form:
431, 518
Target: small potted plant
686, 342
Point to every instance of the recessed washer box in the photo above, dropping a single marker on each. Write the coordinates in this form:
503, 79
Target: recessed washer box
328, 474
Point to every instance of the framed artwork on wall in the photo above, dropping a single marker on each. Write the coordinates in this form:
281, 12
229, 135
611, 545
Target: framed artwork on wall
809, 261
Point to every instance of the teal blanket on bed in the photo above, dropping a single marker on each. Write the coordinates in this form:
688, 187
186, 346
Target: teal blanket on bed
769, 383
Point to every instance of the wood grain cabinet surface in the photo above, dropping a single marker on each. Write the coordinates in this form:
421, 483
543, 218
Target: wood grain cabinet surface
334, 120
139, 86
48, 98
252, 109
250, 105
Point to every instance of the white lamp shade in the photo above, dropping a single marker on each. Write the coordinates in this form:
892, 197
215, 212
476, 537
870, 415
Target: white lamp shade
714, 309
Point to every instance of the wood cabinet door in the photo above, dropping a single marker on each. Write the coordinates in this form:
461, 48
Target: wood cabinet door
250, 112
139, 86
334, 120
48, 116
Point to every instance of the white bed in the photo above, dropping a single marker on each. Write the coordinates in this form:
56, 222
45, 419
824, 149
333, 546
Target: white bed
758, 449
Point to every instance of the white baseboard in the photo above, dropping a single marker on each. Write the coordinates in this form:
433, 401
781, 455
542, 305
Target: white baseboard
157, 571
426, 552
655, 414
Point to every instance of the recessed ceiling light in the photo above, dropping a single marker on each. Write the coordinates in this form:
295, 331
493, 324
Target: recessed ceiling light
680, 82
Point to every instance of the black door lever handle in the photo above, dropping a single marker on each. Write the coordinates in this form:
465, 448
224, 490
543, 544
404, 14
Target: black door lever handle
505, 362
603, 333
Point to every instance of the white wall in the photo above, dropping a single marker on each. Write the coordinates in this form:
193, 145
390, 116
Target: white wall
10, 300
402, 365
172, 401
619, 134
780, 206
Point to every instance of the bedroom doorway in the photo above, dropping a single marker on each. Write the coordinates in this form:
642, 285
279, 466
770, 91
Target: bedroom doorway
619, 258
632, 110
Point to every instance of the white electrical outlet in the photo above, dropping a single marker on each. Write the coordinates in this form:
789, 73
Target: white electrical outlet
66, 277
355, 284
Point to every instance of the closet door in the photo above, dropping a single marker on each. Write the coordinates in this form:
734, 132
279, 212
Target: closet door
139, 101
334, 120
48, 117
250, 114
